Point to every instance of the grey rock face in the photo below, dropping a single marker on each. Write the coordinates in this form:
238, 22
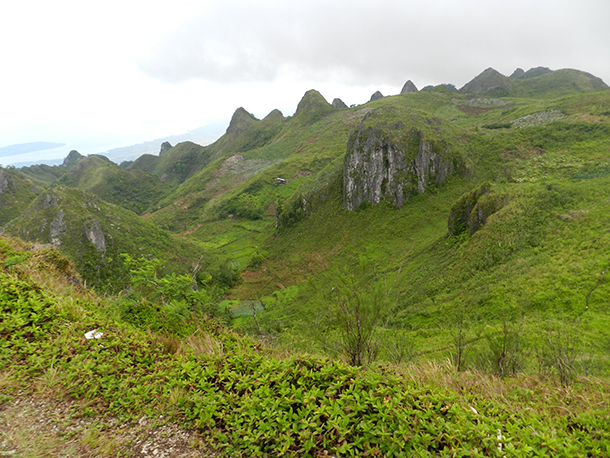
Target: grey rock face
390, 165
48, 200
376, 96
338, 103
57, 228
408, 88
538, 119
95, 234
483, 102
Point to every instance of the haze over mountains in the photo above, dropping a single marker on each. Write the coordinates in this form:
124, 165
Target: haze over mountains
49, 153
31, 153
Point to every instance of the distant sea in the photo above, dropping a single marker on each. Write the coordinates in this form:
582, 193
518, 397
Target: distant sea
19, 156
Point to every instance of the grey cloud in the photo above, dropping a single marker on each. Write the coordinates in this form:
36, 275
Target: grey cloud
385, 42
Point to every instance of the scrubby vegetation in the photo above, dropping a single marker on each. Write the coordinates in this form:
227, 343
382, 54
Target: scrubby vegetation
249, 401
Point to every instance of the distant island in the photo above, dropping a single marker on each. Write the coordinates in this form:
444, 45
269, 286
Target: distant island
24, 148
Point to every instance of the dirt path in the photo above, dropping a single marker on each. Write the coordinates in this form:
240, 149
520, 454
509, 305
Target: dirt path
33, 426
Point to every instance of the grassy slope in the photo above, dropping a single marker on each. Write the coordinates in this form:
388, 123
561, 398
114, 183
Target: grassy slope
551, 176
249, 402
535, 262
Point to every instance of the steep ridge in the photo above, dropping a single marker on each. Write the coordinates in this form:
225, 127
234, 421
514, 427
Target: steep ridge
175, 164
94, 233
312, 107
490, 82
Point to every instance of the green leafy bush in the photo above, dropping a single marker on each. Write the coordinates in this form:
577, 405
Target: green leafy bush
162, 303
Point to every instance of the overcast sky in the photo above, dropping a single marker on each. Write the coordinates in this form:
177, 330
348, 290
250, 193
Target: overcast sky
101, 74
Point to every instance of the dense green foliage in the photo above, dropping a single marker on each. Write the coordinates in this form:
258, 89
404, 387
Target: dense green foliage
162, 303
43, 174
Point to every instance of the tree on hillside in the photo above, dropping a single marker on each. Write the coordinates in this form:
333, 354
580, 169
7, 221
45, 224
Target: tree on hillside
356, 309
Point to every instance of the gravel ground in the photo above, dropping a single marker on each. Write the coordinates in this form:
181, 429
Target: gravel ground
32, 426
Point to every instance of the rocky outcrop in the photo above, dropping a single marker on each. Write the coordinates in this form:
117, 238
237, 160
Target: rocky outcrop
241, 121
441, 88
376, 96
312, 107
391, 164
408, 88
165, 146
311, 100
538, 119
274, 116
472, 210
338, 103
95, 234
48, 200
534, 72
58, 226
482, 102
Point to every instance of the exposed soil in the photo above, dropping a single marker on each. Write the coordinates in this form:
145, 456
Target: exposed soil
474, 111
35, 426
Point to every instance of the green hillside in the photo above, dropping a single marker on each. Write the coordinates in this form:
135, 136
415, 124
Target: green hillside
531, 269
182, 161
547, 179
491, 238
133, 190
174, 165
43, 174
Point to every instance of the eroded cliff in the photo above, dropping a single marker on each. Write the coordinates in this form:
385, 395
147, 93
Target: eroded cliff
393, 163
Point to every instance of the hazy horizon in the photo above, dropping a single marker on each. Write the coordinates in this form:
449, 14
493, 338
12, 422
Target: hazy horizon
102, 75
